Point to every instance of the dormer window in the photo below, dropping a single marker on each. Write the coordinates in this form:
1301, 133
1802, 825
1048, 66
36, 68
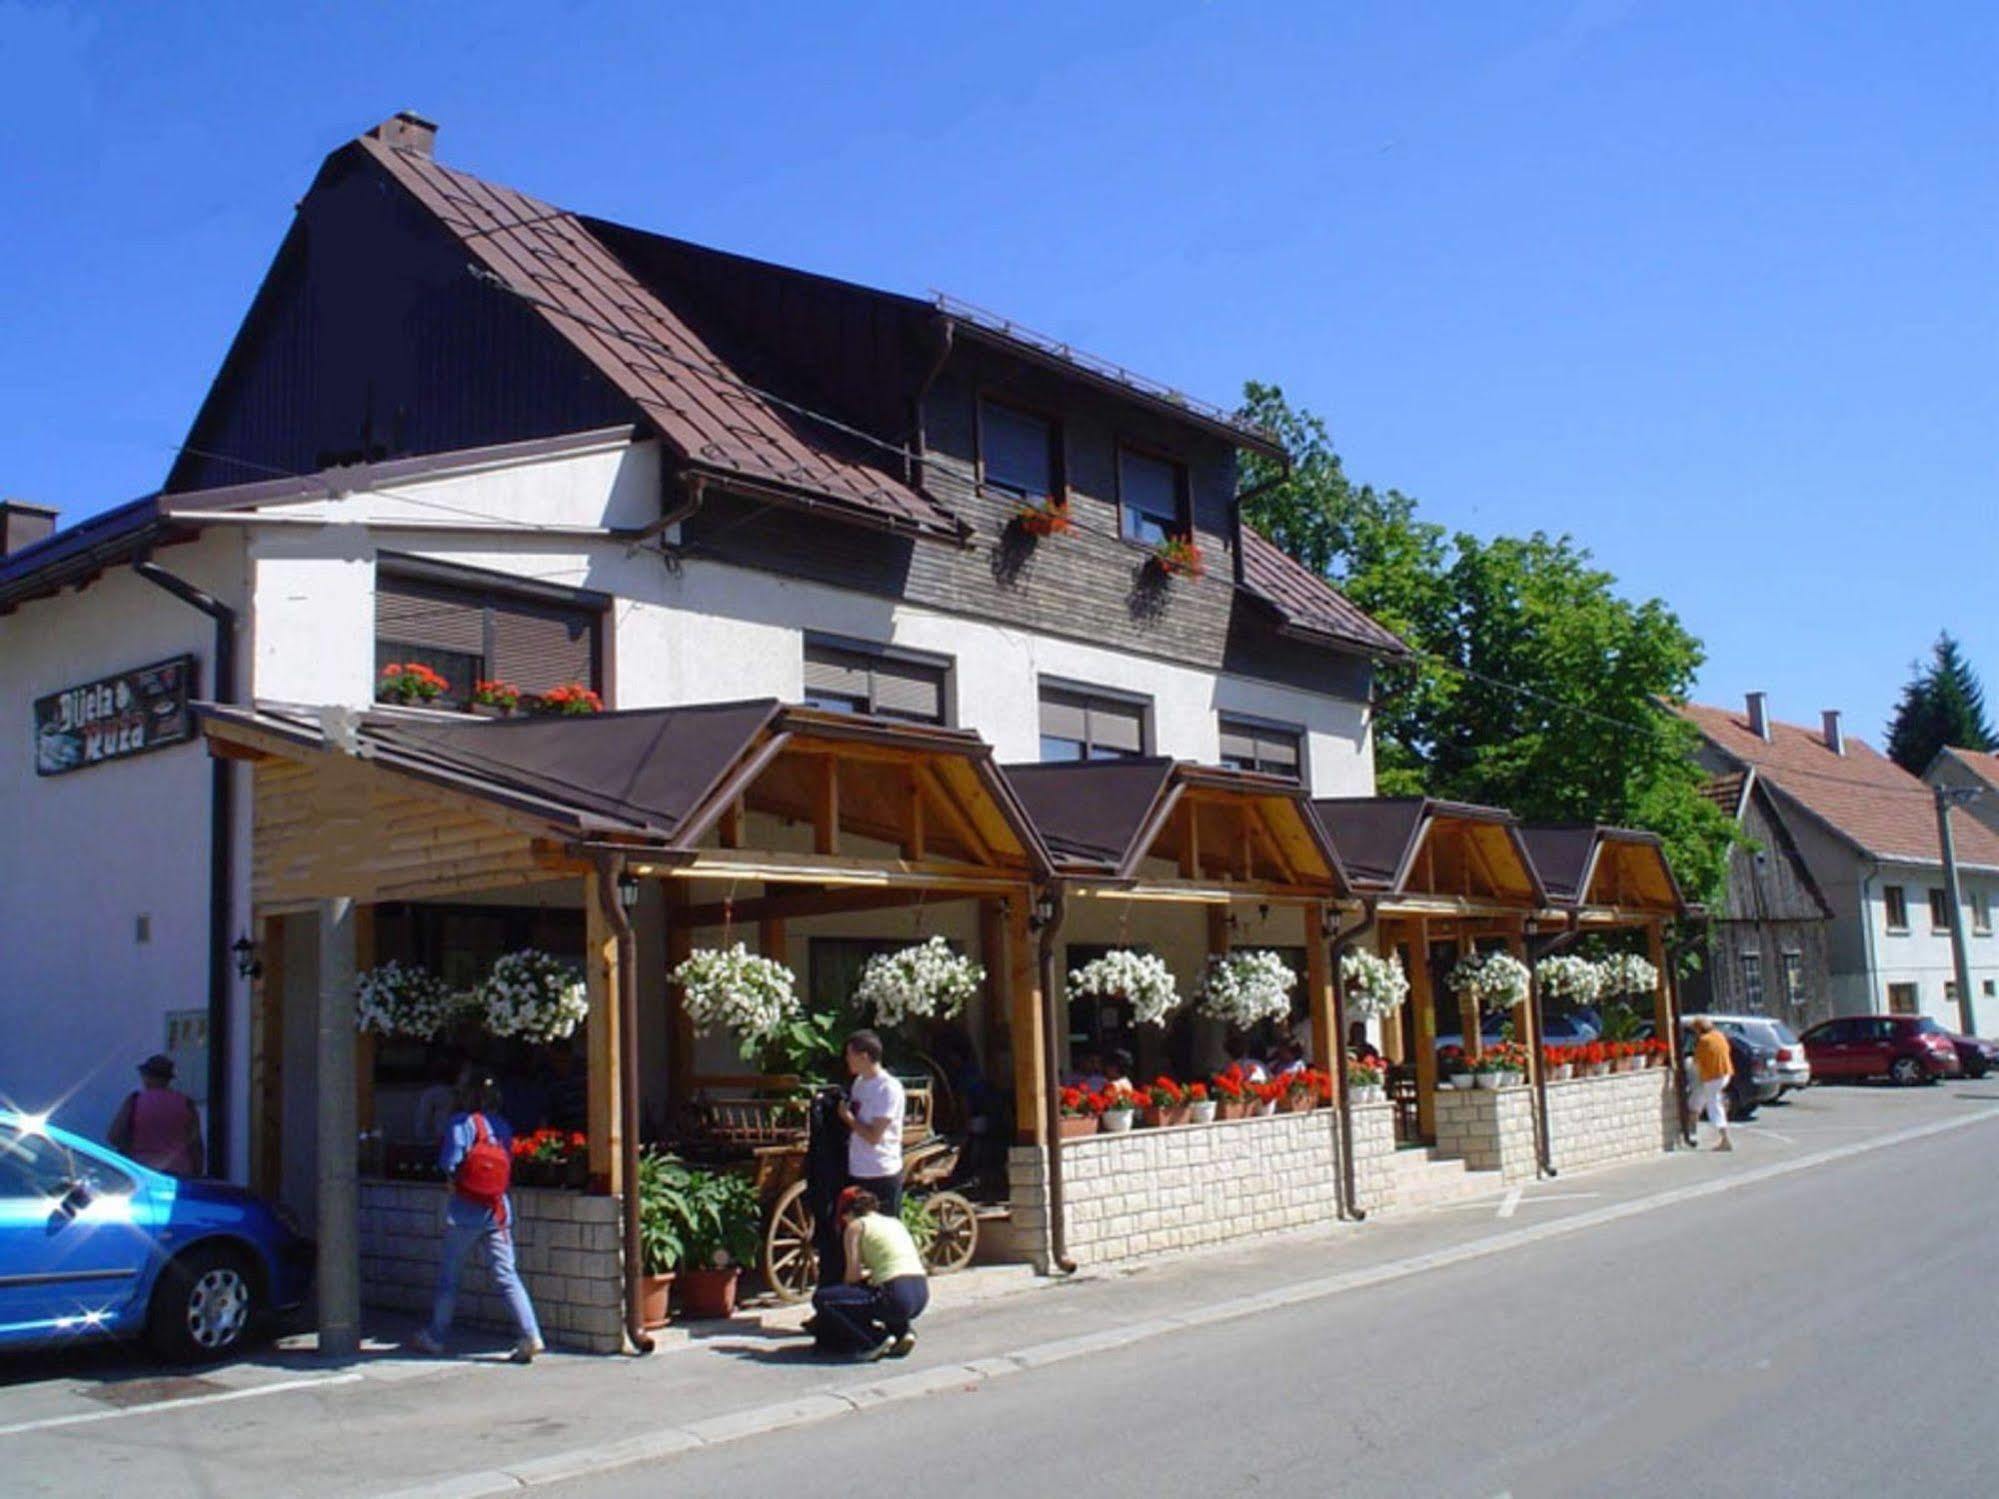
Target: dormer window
1019, 453
1152, 498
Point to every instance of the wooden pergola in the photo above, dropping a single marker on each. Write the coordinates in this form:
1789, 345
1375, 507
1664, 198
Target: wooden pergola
1442, 877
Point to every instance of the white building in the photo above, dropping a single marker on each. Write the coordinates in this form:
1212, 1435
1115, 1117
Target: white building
1867, 831
464, 429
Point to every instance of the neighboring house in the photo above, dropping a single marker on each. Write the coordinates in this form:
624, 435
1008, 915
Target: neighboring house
466, 429
1970, 770
1767, 934
1865, 831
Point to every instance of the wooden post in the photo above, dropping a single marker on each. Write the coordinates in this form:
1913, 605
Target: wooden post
364, 1043
267, 1063
680, 1028
1422, 994
1219, 932
1329, 1047
993, 1040
771, 941
826, 815
1525, 1028
338, 1188
1030, 1078
1662, 994
602, 1120
1470, 1022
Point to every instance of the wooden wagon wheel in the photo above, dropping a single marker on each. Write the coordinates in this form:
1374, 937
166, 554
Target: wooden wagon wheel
955, 1236
791, 1263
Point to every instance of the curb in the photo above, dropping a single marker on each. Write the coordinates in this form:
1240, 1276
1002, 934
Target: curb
806, 1410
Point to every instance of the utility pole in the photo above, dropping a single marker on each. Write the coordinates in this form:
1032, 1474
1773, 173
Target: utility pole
1947, 797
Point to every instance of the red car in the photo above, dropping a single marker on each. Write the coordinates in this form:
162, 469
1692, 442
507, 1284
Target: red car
1902, 1048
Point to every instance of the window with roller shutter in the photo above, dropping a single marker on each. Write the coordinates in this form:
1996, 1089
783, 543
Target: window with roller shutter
469, 632
1273, 749
1078, 723
891, 684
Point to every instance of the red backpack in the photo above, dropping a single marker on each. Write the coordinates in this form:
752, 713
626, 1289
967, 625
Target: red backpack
482, 1176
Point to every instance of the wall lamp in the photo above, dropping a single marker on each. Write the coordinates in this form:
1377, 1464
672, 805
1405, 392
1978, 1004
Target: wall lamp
248, 964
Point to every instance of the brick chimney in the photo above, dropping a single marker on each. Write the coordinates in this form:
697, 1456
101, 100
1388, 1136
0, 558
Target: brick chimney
1759, 715
22, 525
409, 131
1835, 737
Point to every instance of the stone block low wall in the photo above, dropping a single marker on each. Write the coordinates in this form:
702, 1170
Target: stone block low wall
1156, 1190
1489, 1129
1596, 1121
565, 1243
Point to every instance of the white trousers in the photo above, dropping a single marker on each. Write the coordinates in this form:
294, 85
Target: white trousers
1711, 1098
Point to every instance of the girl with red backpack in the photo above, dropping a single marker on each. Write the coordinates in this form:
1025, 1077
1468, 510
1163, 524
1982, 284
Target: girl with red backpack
477, 1158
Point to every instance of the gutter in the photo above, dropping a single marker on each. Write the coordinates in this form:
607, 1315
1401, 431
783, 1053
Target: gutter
1058, 1228
1336, 1054
609, 868
221, 858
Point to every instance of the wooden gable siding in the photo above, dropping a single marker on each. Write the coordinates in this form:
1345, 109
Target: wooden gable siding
370, 339
1767, 882
333, 827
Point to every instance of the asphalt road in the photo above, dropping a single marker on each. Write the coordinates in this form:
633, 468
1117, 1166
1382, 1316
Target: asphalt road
1828, 1332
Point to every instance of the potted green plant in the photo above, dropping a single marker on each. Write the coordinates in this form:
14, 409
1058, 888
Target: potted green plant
722, 1241
664, 1218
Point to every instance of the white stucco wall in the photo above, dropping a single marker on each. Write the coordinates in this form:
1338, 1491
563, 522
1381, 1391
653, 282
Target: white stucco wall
1921, 955
89, 855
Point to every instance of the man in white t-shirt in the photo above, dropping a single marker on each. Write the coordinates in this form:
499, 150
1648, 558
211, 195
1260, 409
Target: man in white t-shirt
872, 1112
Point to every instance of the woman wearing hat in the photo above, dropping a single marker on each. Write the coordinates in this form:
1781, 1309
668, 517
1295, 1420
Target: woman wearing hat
158, 1125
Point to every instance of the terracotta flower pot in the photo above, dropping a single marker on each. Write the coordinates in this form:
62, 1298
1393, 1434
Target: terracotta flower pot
709, 1293
1158, 1117
1225, 1110
654, 1291
1075, 1129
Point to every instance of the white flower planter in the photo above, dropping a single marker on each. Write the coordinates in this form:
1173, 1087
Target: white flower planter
1487, 1080
1116, 1122
1201, 1113
1560, 1074
1460, 1080
1262, 1110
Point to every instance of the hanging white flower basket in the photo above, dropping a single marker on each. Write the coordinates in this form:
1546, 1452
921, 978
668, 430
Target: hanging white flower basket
1567, 977
1140, 979
1376, 986
398, 999
927, 980
1493, 981
1243, 988
737, 990
533, 996
1628, 973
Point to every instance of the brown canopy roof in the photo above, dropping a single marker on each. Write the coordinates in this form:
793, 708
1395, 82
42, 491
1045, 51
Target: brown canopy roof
1108, 817
1381, 840
1590, 864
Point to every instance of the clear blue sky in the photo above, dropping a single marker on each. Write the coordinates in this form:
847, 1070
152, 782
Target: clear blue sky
1709, 285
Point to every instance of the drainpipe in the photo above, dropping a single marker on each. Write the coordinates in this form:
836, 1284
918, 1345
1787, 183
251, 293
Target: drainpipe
221, 859
1049, 930
610, 867
1337, 1055
1283, 476
913, 450
1536, 951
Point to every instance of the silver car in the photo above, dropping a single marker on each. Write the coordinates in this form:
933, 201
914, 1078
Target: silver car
1793, 1067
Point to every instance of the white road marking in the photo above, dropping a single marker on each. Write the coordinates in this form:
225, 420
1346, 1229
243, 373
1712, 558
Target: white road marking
1509, 1202
279, 1387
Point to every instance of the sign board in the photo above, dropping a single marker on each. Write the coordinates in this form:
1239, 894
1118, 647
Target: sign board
114, 717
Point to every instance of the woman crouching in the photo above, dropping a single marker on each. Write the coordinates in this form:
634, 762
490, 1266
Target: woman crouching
886, 1287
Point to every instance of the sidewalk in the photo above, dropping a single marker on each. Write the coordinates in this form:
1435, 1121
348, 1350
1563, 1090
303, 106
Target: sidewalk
388, 1422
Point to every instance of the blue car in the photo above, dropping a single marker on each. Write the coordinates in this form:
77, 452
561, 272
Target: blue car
95, 1245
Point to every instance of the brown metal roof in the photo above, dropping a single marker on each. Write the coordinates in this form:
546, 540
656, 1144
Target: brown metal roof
688, 394
1380, 837
1306, 602
1573, 858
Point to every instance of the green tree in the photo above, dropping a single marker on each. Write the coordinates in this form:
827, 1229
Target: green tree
1535, 685
1941, 704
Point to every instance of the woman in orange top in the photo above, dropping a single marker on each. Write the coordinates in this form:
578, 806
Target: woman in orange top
1716, 1065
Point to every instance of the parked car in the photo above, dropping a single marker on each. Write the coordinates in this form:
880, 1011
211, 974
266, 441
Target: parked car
1793, 1067
1556, 1030
93, 1244
1903, 1048
1754, 1055
1977, 1056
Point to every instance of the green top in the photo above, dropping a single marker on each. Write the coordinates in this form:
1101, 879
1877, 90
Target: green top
887, 1250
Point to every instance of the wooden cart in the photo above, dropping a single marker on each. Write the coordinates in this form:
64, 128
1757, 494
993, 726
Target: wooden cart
771, 1133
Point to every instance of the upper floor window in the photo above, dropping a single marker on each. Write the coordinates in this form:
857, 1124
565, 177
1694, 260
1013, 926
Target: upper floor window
1251, 744
1152, 498
1939, 910
469, 631
1896, 899
1752, 981
892, 684
1981, 912
1081, 724
1019, 452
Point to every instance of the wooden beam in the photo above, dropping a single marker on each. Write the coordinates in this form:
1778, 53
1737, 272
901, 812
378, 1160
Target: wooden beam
771, 939
826, 809
811, 902
1219, 931
912, 847
1422, 994
365, 1042
1391, 1026
1662, 996
679, 1026
267, 1062
729, 832
960, 821
1524, 1028
602, 1122
821, 869
1030, 1078
1190, 845
1328, 1047
992, 1036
